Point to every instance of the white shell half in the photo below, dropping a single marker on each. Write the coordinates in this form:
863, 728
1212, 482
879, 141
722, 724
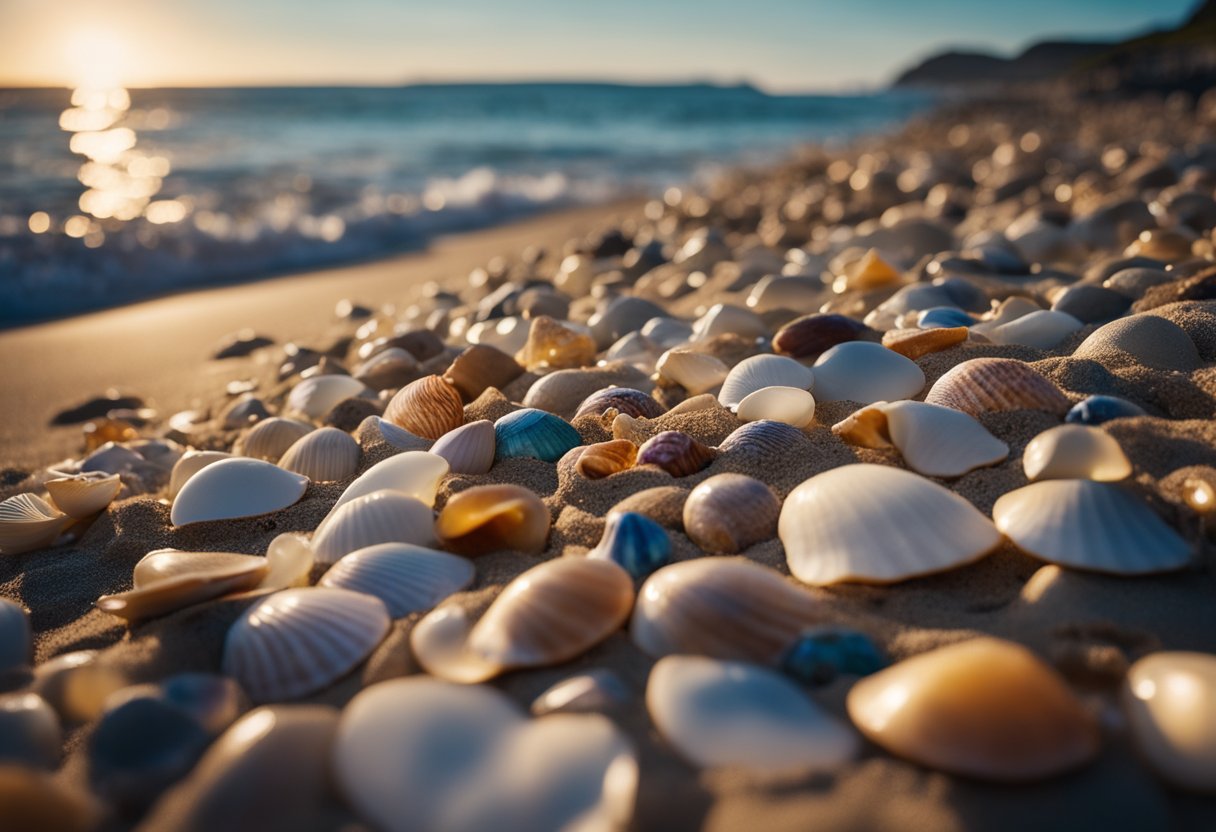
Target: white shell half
1170, 701
324, 455
865, 372
380, 517
83, 495
190, 463
405, 577
237, 487
414, 474
28, 522
316, 396
760, 371
1080, 452
940, 441
791, 405
694, 371
469, 449
1042, 329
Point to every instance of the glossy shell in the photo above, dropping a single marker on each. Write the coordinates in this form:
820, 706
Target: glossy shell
985, 385
811, 335
380, 517
1097, 410
634, 542
727, 513
759, 372
489, 518
189, 464
604, 459
83, 495
864, 372
16, 639
534, 433
764, 438
428, 407
1075, 452
314, 397
414, 474
405, 577
791, 405
676, 453
469, 449
324, 455
237, 487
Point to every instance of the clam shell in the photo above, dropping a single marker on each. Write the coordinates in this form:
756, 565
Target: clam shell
534, 433
324, 455
30, 733
298, 641
469, 449
727, 513
168, 580
379, 517
83, 495
16, 640
270, 438
623, 400
878, 524
676, 453
603, 459
634, 542
1090, 525
1150, 340
428, 407
793, 292
811, 335
390, 368
915, 343
763, 438
28, 522
548, 615
985, 385
237, 487
1170, 701
790, 405
489, 518
861, 371
696, 372
415, 474
596, 690
405, 577
759, 372
316, 396
479, 368
723, 713
723, 319
984, 708
1075, 452
1042, 329
190, 463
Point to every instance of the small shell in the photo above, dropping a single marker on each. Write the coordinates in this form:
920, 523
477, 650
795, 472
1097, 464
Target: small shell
759, 372
553, 345
508, 334
28, 522
623, 400
811, 335
861, 371
790, 405
1075, 452
793, 292
878, 524
604, 459
270, 438
869, 272
1042, 329
428, 407
722, 319
314, 397
469, 449
168, 580
534, 433
190, 463
324, 455
1090, 525
237, 487
696, 372
298, 641
388, 369
489, 518
1150, 340
634, 542
763, 438
1170, 701
1097, 410
30, 734
984, 708
16, 640
596, 690
727, 513
548, 615
83, 495
479, 368
985, 385
405, 577
380, 517
415, 474
78, 684
374, 430
915, 343
721, 713
676, 453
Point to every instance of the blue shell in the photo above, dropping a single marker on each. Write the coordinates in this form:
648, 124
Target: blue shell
1098, 409
634, 542
943, 316
822, 653
534, 433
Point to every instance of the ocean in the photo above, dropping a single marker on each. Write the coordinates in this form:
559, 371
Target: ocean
112, 195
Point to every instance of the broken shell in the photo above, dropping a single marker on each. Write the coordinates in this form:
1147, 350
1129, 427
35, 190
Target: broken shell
237, 487
553, 345
324, 455
479, 368
548, 615
603, 459
1170, 701
676, 453
168, 580
1151, 340
190, 463
270, 438
30, 733
985, 385
83, 495
759, 372
861, 371
596, 690
727, 513
915, 343
696, 372
1097, 526
428, 407
1097, 410
634, 542
489, 518
790, 405
622, 400
16, 640
1075, 452
811, 335
28, 522
764, 437
878, 524
414, 474
298, 641
985, 708
469, 449
405, 577
534, 433
316, 396
379, 517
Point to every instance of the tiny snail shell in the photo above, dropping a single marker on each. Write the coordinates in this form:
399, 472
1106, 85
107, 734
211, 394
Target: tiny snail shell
489, 518
729, 512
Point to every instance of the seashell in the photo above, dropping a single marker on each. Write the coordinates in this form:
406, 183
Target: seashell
878, 524
666, 332
428, 407
324, 455
1149, 340
676, 453
727, 608
77, 684
727, 513
479, 368
622, 315
1134, 282
555, 346
270, 438
469, 449
405, 577
791, 405
1091, 304
388, 369
1097, 410
37, 801
28, 522
508, 334
1097, 526
603, 459
985, 708
810, 335
190, 463
860, 371
548, 615
373, 430
16, 639
1075, 452
947, 317
634, 542
30, 734
696, 372
722, 319
83, 495
759, 372
214, 702
596, 690
299, 641
379, 517
488, 518
636, 350
1007, 311
725, 713
112, 459
622, 400
240, 412
534, 433
869, 272
167, 580
692, 404
822, 653
237, 487
1170, 702
985, 385
764, 437
316, 396
1042, 329
414, 474
915, 343
793, 292
561, 392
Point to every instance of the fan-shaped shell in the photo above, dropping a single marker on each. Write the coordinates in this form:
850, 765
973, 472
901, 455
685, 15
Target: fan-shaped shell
759, 372
727, 513
189, 464
1042, 329
324, 455
28, 522
298, 641
270, 438
488, 518
1090, 525
1170, 701
862, 371
634, 542
696, 372
83, 495
316, 396
765, 437
603, 459
405, 577
675, 452
790, 405
622, 400
1150, 340
380, 517
878, 524
415, 474
548, 615
984, 385
1075, 452
16, 644
428, 407
469, 449
534, 433
237, 487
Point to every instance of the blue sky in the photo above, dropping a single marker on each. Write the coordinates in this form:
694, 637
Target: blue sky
778, 44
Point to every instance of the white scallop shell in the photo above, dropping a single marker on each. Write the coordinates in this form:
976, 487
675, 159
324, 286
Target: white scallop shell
415, 474
722, 319
16, 645
83, 495
324, 455
314, 397
190, 463
380, 517
405, 577
791, 405
1098, 526
720, 713
270, 438
237, 487
1079, 452
878, 524
936, 441
865, 372
1042, 329
28, 522
1170, 701
694, 371
760, 371
298, 641
469, 449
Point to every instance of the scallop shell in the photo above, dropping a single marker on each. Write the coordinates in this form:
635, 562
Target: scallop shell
237, 487
808, 336
696, 372
765, 438
1042, 329
428, 407
16, 640
379, 517
790, 405
414, 474
548, 615
28, 522
603, 459
861, 371
759, 372
985, 708
878, 524
270, 438
622, 400
405, 577
83, 495
30, 734
1150, 340
1075, 452
316, 396
722, 713
324, 455
489, 518
676, 453
1170, 701
1097, 526
727, 608
727, 513
190, 463
985, 385
634, 542
469, 449
534, 433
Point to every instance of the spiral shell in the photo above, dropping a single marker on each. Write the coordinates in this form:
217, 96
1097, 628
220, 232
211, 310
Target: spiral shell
237, 487
405, 577
323, 455
985, 385
488, 518
604, 459
83, 495
534, 433
428, 407
727, 513
622, 400
675, 452
380, 517
28, 522
469, 449
634, 542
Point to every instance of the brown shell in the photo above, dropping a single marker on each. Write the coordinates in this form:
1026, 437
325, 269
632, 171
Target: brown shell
489, 518
428, 407
729, 512
479, 368
604, 459
810, 335
913, 343
554, 346
985, 385
623, 400
676, 453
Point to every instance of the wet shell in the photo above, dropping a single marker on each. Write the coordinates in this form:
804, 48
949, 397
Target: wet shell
83, 495
1097, 526
168, 580
790, 405
28, 522
270, 438
469, 449
861, 371
548, 615
1170, 701
634, 542
984, 708
428, 407
1150, 340
298, 641
727, 513
720, 713
878, 524
622, 400
765, 437
479, 368
1075, 452
190, 463
676, 453
985, 385
534, 433
316, 396
489, 518
696, 372
811, 335
406, 578
759, 372
1042, 329
414, 474
237, 487
30, 733
604, 459
324, 455
380, 517
16, 641
914, 343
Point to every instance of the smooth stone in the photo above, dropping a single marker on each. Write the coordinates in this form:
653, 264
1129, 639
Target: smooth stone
1096, 410
29, 731
1091, 304
1150, 340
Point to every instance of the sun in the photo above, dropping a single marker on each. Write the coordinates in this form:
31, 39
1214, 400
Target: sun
97, 58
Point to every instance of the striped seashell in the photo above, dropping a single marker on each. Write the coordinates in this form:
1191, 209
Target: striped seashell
189, 464
16, 639
1168, 698
428, 407
759, 372
986, 385
603, 459
313, 397
380, 517
622, 400
469, 449
696, 372
237, 487
270, 438
791, 405
676, 453
489, 518
534, 433
727, 513
915, 343
324, 455
28, 522
299, 641
83, 495
1075, 452
861, 371
634, 542
405, 577
763, 438
415, 474
548, 615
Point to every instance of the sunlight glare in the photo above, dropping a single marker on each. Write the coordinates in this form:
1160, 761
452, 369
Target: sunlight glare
97, 58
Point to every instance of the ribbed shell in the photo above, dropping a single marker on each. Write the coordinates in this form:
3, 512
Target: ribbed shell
316, 396
405, 577
237, 487
861, 371
469, 449
415, 474
298, 641
759, 372
985, 385
428, 407
727, 513
270, 438
324, 455
534, 433
83, 495
694, 371
28, 522
603, 459
791, 405
623, 400
16, 645
189, 464
763, 438
1075, 452
676, 453
379, 517
489, 518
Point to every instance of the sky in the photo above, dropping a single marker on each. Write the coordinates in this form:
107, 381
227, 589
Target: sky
780, 45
